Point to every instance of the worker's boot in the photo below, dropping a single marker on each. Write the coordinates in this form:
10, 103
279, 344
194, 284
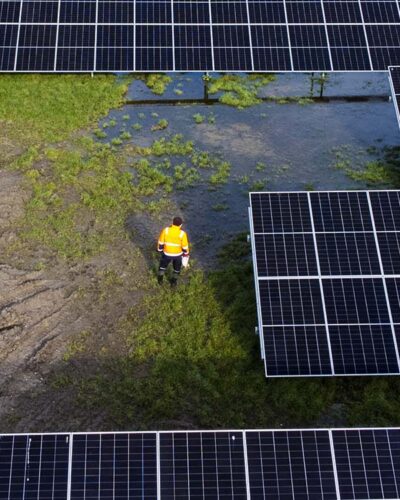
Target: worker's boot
174, 280
160, 278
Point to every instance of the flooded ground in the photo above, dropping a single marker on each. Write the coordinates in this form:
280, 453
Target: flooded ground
270, 146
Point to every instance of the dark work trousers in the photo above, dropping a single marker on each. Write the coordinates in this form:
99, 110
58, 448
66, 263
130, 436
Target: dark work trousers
164, 262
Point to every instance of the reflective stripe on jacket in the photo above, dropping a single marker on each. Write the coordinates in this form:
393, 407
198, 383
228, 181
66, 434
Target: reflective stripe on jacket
173, 241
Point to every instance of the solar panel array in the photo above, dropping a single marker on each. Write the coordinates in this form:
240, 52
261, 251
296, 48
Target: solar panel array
321, 464
327, 269
198, 35
394, 77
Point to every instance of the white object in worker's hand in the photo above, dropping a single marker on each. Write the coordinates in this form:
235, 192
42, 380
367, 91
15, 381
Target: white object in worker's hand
185, 261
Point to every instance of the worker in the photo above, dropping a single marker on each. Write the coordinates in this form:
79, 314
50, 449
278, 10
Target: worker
173, 245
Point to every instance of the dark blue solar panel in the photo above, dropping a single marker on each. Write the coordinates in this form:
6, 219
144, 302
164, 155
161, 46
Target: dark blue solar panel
357, 300
232, 59
389, 246
310, 58
363, 349
342, 12
347, 254
349, 58
296, 350
384, 42
304, 12
39, 12
115, 466
267, 12
191, 12
380, 12
368, 463
269, 36
341, 211
153, 12
348, 246
237, 35
393, 289
313, 464
72, 11
290, 465
34, 467
386, 210
281, 213
114, 59
276, 59
10, 11
75, 59
285, 255
116, 12
291, 302
202, 465
153, 59
229, 12
8, 41
197, 36
190, 58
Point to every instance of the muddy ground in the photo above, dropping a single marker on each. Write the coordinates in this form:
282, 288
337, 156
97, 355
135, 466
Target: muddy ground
44, 314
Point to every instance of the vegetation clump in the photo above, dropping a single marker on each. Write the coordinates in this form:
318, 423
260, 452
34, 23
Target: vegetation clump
240, 91
160, 125
383, 171
156, 82
175, 146
198, 118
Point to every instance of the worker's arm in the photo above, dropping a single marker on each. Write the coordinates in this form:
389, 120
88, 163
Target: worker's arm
185, 245
161, 241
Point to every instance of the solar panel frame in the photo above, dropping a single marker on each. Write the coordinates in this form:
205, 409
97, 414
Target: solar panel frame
394, 80
322, 35
379, 321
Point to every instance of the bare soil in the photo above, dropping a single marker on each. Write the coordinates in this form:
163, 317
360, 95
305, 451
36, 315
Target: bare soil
42, 316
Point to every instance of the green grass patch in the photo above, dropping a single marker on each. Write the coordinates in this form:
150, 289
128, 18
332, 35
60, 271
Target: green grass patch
80, 199
193, 360
39, 108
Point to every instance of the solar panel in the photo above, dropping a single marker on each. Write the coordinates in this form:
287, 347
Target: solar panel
115, 466
34, 466
202, 465
312, 464
368, 463
394, 78
327, 285
201, 35
290, 465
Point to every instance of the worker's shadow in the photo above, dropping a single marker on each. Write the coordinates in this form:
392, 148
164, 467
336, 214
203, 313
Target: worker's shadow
143, 234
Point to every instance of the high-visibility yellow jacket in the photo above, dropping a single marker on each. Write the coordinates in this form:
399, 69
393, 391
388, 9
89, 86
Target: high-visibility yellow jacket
173, 241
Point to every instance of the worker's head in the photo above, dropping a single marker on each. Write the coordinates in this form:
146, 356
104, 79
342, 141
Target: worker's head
177, 221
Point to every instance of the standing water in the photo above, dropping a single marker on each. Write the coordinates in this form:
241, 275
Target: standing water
270, 146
